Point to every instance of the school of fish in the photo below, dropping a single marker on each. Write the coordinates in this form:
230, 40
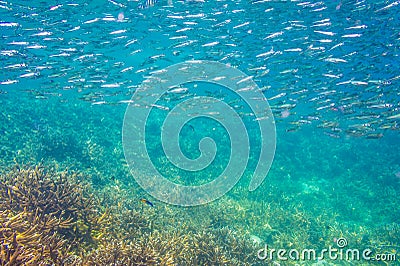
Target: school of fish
329, 64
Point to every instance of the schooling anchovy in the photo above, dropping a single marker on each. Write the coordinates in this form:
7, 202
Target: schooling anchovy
147, 3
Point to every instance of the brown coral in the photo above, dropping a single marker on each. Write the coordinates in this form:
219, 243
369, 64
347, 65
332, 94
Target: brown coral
46, 191
43, 214
50, 217
27, 239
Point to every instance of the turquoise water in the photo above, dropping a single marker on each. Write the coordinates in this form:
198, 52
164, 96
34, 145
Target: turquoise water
330, 72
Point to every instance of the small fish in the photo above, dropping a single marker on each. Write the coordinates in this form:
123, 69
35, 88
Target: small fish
147, 202
191, 128
375, 136
147, 3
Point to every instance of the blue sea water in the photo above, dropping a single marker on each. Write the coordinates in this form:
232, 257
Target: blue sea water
329, 70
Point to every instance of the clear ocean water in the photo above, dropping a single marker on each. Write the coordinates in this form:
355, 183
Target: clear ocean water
330, 71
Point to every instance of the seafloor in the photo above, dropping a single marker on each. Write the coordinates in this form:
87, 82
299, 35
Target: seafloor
67, 197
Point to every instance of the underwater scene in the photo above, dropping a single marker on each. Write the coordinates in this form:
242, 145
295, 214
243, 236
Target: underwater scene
195, 132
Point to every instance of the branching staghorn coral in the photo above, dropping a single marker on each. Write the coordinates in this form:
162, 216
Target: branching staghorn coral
51, 218
48, 191
45, 214
27, 239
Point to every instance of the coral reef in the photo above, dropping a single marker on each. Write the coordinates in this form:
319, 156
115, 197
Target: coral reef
44, 214
48, 217
28, 239
210, 247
